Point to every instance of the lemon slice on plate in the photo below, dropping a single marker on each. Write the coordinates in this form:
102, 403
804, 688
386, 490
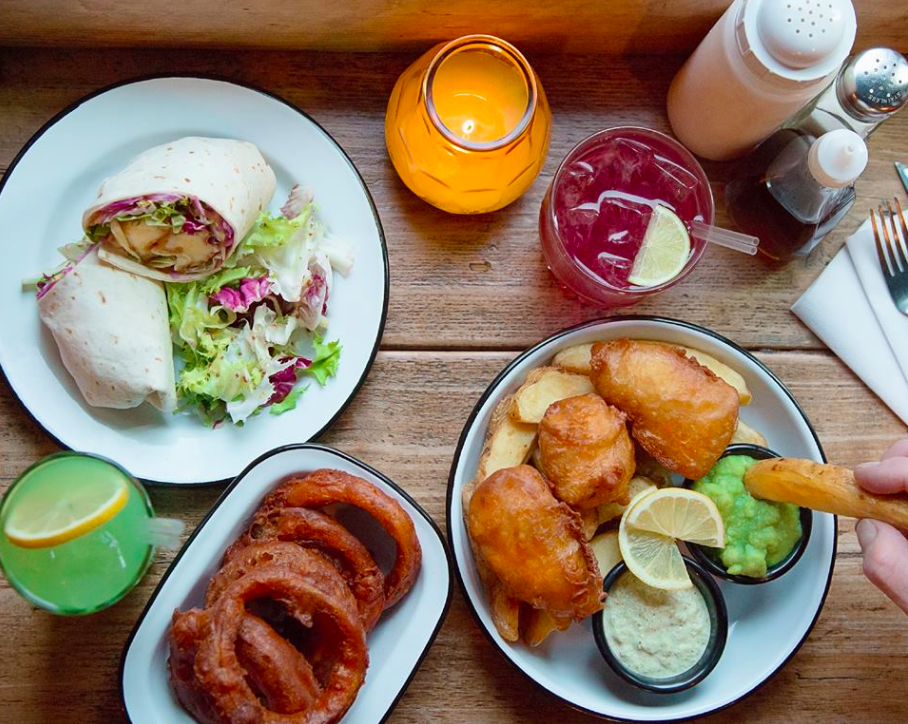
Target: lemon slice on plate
664, 252
651, 525
653, 558
681, 514
43, 517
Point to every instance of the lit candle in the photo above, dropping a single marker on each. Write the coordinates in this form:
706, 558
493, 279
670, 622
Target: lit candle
480, 94
467, 126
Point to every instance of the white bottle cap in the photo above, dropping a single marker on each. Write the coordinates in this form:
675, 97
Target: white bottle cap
793, 42
801, 33
837, 158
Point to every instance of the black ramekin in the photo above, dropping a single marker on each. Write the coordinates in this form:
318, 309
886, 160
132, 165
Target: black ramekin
718, 621
708, 557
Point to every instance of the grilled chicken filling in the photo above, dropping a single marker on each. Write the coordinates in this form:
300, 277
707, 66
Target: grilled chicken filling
146, 242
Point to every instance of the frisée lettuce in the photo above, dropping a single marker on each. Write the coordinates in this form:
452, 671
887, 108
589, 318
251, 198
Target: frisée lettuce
248, 334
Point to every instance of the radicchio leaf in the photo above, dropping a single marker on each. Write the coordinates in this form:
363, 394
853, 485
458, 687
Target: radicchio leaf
250, 291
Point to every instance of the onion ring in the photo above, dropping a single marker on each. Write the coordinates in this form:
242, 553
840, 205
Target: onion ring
217, 667
186, 630
280, 672
283, 553
277, 669
324, 487
312, 528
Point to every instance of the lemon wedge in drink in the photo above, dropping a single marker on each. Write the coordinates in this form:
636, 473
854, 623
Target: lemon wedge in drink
664, 252
654, 521
43, 517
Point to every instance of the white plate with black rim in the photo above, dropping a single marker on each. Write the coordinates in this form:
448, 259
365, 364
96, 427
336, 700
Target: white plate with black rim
397, 644
767, 623
54, 178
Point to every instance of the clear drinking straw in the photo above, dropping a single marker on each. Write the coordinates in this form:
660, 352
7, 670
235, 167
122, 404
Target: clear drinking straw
164, 532
745, 243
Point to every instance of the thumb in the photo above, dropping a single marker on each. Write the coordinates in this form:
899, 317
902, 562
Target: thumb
885, 559
886, 477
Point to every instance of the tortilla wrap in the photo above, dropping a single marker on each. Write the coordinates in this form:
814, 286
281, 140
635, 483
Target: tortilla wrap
178, 211
112, 330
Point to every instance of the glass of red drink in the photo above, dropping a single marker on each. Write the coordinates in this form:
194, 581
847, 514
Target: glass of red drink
595, 213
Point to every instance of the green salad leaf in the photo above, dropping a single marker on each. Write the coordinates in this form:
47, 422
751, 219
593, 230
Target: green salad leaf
289, 402
325, 361
232, 361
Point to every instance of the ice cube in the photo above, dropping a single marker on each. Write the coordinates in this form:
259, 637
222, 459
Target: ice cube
634, 160
678, 182
576, 224
574, 183
613, 268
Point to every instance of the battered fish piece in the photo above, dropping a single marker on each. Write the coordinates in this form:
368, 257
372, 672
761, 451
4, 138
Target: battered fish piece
680, 412
586, 452
534, 544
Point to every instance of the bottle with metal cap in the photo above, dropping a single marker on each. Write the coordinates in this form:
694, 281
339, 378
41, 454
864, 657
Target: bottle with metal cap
803, 193
760, 63
871, 87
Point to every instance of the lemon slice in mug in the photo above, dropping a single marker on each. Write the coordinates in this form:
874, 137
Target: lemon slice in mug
41, 519
664, 252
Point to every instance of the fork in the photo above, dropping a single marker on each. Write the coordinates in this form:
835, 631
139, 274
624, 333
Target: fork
893, 252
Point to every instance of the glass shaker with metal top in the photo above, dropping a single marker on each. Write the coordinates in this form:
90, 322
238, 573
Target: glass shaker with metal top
871, 87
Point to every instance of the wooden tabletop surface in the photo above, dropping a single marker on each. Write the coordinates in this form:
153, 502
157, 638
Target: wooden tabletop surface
467, 295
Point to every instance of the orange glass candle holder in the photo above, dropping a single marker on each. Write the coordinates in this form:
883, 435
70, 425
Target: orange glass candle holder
468, 124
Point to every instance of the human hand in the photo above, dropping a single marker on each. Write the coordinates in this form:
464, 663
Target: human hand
885, 548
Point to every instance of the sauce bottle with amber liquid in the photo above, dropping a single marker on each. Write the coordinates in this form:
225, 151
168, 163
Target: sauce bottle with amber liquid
794, 191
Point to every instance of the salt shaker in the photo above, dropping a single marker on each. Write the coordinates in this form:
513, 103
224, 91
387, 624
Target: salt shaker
871, 87
760, 63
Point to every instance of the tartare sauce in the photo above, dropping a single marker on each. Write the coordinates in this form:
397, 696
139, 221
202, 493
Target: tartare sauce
655, 633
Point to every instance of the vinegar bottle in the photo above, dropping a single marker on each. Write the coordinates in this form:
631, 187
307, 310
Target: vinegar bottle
760, 63
803, 193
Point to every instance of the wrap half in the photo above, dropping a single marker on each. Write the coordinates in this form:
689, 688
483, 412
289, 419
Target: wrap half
178, 211
112, 330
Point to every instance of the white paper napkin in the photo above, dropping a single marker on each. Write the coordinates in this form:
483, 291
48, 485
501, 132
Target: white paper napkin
849, 308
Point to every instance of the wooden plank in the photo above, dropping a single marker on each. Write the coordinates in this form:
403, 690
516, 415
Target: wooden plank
483, 276
630, 26
406, 422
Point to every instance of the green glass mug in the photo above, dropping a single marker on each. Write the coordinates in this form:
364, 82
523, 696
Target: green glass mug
78, 532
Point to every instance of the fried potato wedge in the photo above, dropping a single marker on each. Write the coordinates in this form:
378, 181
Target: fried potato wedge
508, 442
538, 624
574, 359
829, 488
610, 511
543, 387
723, 372
605, 548
505, 611
744, 433
589, 519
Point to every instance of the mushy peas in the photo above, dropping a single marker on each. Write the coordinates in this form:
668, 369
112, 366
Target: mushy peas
655, 633
758, 533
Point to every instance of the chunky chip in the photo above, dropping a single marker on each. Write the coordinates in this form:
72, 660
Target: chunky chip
829, 488
543, 387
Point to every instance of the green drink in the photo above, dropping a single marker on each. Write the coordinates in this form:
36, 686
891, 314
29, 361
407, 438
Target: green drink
74, 533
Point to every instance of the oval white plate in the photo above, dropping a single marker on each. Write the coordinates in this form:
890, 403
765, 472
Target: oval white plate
397, 644
55, 177
767, 623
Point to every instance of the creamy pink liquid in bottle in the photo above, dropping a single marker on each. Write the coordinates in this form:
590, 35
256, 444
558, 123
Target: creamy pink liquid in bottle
760, 63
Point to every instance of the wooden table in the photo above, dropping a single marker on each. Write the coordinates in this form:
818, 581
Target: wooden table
467, 294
